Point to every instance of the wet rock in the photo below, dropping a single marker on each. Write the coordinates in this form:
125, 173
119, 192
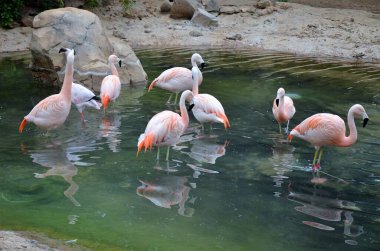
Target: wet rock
203, 18
165, 7
83, 31
184, 8
195, 34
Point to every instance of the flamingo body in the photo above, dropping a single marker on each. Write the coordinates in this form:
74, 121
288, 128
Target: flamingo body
283, 108
111, 85
165, 128
82, 97
207, 109
52, 111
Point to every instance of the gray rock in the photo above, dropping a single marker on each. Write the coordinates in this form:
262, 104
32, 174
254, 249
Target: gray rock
235, 37
262, 4
195, 34
203, 18
165, 7
211, 5
184, 8
81, 30
229, 10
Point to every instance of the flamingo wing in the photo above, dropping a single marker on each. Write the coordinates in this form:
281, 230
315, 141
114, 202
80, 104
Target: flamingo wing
210, 108
80, 94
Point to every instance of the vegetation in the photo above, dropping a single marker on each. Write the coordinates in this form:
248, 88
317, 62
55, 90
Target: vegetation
9, 12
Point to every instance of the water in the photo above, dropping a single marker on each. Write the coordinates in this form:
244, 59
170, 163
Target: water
241, 189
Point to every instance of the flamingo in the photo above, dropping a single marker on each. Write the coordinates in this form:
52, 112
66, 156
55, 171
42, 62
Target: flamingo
110, 88
206, 107
52, 111
82, 97
178, 79
325, 129
165, 128
283, 108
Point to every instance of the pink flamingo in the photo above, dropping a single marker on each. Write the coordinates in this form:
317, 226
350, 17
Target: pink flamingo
110, 88
82, 97
52, 111
283, 108
207, 109
178, 79
165, 128
325, 129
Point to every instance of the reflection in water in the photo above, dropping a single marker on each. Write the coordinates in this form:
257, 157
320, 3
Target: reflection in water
168, 191
110, 129
56, 159
327, 209
206, 149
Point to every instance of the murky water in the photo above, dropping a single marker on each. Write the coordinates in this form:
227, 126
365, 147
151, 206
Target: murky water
241, 189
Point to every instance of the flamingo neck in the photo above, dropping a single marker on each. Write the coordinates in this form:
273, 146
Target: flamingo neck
184, 114
195, 81
281, 105
351, 139
113, 69
68, 80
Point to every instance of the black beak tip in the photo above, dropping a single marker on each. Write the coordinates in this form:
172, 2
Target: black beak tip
365, 121
203, 65
277, 101
62, 50
75, 53
190, 107
120, 63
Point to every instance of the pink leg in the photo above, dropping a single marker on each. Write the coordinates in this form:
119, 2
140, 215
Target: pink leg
82, 118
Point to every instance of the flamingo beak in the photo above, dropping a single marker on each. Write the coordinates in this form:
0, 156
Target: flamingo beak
277, 101
62, 50
203, 65
190, 107
120, 63
290, 137
365, 121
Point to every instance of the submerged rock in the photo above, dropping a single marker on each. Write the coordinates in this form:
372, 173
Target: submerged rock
81, 30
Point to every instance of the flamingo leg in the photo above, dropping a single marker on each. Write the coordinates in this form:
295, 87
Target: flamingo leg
170, 98
176, 97
279, 126
82, 119
167, 154
315, 158
158, 153
210, 127
287, 128
318, 165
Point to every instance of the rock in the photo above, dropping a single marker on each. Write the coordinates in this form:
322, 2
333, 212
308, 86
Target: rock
184, 8
195, 34
235, 37
165, 7
203, 18
17, 39
229, 10
211, 5
81, 30
262, 4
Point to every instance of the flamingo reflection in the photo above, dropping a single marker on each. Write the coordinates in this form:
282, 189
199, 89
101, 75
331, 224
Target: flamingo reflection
56, 159
168, 191
110, 129
320, 206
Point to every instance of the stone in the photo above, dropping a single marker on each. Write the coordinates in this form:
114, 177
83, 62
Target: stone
235, 37
195, 34
263, 4
184, 8
165, 7
211, 5
203, 18
82, 30
229, 10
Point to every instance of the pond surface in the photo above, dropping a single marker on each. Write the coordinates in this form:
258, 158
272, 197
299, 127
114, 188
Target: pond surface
241, 189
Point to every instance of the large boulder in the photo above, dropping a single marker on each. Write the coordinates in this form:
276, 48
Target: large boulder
184, 8
203, 18
81, 30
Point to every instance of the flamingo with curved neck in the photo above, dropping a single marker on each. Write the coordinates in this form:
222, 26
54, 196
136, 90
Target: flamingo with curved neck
283, 108
325, 129
165, 128
52, 111
111, 85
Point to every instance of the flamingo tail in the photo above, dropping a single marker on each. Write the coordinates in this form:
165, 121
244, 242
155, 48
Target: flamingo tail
145, 141
22, 125
223, 117
105, 101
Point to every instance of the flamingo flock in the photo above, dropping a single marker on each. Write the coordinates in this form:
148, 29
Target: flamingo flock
166, 127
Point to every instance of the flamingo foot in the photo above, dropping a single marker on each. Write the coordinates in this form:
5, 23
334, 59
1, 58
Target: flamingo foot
313, 168
318, 166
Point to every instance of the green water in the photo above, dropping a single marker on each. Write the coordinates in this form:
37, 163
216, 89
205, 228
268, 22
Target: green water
255, 193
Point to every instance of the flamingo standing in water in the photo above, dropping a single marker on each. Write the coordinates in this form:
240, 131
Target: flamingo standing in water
82, 97
110, 88
165, 128
325, 129
52, 111
207, 109
178, 79
283, 108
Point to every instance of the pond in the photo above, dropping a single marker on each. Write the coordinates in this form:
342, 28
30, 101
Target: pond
244, 188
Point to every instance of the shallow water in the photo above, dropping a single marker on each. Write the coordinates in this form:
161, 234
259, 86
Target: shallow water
241, 189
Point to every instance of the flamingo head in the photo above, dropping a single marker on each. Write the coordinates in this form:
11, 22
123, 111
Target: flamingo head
113, 59
70, 53
359, 112
280, 94
196, 59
